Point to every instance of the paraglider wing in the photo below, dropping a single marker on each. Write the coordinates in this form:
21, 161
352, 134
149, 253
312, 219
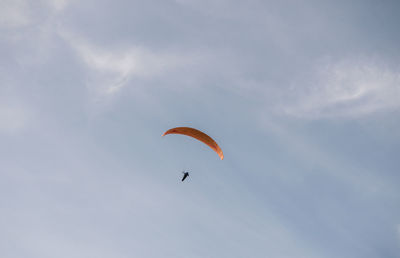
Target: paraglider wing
197, 135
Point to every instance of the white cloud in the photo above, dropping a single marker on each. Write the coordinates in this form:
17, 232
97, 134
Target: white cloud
348, 88
58, 5
19, 13
310, 153
14, 13
110, 69
13, 118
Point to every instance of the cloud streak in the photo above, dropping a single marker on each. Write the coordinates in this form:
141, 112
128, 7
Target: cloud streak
112, 69
14, 14
346, 88
13, 118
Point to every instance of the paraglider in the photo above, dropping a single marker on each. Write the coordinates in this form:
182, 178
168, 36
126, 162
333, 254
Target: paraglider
185, 175
199, 135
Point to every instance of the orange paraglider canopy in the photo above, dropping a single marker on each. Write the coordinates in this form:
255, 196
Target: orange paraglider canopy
197, 135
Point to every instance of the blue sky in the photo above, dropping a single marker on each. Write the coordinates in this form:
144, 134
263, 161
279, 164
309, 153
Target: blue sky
302, 96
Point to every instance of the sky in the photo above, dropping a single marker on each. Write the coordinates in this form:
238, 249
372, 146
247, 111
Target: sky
302, 96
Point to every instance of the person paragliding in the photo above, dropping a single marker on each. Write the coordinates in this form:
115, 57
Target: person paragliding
185, 175
199, 135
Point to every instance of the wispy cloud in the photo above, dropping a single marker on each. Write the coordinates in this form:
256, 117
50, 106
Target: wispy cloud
14, 14
58, 5
13, 117
19, 13
346, 88
310, 153
111, 69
